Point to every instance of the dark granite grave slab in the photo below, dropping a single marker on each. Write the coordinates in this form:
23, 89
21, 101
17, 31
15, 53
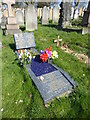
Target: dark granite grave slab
56, 83
40, 68
24, 40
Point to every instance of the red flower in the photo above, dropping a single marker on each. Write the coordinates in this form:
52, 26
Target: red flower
23, 50
18, 51
44, 57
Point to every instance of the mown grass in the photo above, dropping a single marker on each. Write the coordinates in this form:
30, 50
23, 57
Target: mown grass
17, 84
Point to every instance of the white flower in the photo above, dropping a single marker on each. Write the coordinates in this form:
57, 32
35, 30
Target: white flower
33, 57
20, 101
16, 102
2, 110
25, 50
30, 57
20, 56
83, 74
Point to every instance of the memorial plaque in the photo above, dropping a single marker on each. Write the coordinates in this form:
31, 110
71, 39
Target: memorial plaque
24, 40
55, 83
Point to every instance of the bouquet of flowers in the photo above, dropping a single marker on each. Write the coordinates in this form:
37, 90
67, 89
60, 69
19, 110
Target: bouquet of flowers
24, 56
48, 54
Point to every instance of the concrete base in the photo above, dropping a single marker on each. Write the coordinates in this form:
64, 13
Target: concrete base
10, 31
85, 30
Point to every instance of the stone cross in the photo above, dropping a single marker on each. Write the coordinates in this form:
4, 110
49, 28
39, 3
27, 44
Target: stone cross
58, 41
9, 3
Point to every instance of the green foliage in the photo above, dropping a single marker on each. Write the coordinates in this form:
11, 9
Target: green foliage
77, 22
17, 84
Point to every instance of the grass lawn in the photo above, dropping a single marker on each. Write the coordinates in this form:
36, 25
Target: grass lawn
17, 84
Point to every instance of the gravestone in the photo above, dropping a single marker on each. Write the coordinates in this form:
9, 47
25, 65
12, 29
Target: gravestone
45, 15
72, 12
3, 22
55, 14
31, 18
86, 20
66, 14
0, 13
50, 14
11, 26
5, 12
76, 14
24, 40
80, 12
56, 82
19, 17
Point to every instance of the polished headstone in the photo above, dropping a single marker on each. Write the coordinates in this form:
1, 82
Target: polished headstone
24, 40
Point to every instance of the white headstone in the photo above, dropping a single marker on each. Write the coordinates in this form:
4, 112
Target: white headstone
55, 14
19, 17
0, 12
31, 18
45, 15
72, 12
50, 14
76, 14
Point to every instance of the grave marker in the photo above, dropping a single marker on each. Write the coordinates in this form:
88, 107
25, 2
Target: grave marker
45, 15
55, 14
31, 18
50, 80
24, 40
58, 41
11, 26
20, 17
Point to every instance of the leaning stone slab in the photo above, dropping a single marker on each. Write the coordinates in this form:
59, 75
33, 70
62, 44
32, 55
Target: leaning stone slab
24, 40
55, 84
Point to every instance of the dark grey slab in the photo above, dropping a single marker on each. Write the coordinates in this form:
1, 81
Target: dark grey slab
24, 40
54, 84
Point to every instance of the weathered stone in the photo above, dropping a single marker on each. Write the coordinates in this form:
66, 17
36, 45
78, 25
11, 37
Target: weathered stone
45, 15
72, 12
31, 18
24, 40
55, 14
11, 26
76, 14
50, 14
19, 17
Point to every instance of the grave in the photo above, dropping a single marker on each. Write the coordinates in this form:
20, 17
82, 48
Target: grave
86, 20
76, 14
55, 14
65, 14
58, 41
11, 26
72, 12
25, 40
45, 15
50, 14
19, 17
0, 13
55, 82
31, 18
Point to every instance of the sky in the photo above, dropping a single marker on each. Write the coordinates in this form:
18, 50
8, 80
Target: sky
82, 3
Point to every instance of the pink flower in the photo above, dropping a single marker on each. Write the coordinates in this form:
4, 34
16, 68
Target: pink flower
48, 51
